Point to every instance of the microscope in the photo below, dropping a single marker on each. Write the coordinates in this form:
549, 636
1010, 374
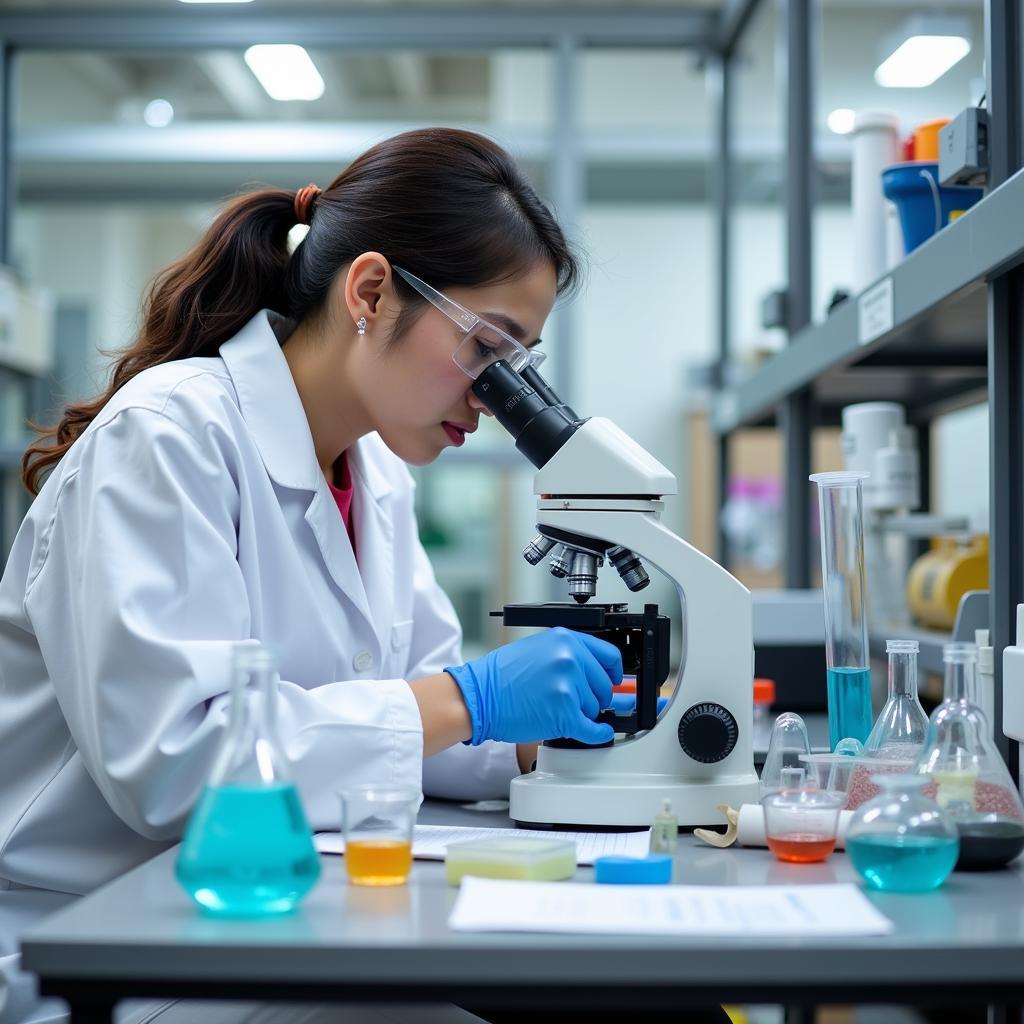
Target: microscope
600, 500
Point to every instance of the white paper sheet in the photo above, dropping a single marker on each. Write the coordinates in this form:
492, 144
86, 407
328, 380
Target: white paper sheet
429, 841
487, 905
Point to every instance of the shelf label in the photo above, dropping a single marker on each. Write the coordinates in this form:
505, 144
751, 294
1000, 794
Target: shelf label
875, 314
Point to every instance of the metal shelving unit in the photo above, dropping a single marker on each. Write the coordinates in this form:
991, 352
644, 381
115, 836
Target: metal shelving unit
947, 328
934, 356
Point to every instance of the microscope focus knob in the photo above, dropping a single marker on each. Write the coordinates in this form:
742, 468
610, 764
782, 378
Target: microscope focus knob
708, 733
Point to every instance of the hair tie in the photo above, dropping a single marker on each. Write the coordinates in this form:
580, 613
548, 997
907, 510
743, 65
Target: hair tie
304, 200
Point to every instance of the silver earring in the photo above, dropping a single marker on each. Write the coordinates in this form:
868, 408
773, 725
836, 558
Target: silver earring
361, 326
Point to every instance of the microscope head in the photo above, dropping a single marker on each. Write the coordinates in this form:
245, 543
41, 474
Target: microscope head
575, 458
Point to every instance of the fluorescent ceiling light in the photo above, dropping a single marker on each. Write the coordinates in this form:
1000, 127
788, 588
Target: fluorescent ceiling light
923, 51
840, 121
158, 113
285, 71
216, 1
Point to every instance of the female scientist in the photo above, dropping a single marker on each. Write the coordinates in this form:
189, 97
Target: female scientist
243, 476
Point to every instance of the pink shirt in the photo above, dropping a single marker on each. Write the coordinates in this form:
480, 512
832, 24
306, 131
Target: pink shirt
343, 496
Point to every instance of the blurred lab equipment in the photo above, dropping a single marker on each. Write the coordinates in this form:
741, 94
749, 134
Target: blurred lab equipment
531, 860
985, 697
968, 777
751, 520
248, 849
801, 820
963, 148
789, 647
1013, 683
786, 748
764, 698
877, 441
875, 138
925, 207
901, 841
926, 139
840, 507
377, 823
600, 499
941, 576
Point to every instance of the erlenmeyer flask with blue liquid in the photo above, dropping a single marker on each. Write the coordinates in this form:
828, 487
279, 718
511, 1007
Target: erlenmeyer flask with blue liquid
248, 849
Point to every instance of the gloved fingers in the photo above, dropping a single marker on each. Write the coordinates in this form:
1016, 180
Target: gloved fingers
587, 731
607, 655
624, 703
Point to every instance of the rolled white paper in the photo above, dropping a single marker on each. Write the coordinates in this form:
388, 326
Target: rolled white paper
750, 830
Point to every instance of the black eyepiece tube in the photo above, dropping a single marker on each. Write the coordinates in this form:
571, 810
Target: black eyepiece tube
539, 429
533, 377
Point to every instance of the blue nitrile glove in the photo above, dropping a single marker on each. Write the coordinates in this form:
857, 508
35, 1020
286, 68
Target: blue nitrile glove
545, 686
625, 703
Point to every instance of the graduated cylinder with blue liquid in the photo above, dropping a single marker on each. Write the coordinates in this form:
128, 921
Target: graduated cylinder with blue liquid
841, 511
248, 849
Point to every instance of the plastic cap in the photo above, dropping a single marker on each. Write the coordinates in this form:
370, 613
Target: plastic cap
764, 691
655, 869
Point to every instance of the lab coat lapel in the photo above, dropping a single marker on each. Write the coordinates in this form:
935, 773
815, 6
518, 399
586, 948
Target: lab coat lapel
273, 413
375, 538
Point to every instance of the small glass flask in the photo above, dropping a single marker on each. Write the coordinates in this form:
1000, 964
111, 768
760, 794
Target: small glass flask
899, 731
966, 772
901, 841
248, 849
787, 745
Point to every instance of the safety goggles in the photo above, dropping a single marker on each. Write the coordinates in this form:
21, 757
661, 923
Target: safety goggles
483, 344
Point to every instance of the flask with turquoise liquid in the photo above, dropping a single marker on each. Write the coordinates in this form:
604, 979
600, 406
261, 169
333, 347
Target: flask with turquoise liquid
248, 849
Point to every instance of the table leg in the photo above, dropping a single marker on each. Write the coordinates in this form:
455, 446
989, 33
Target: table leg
1004, 1014
800, 1014
89, 1011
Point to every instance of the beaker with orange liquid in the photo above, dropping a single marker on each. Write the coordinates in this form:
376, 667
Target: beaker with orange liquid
801, 822
377, 823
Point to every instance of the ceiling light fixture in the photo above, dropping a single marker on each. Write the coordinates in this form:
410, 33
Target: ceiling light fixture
285, 71
922, 51
158, 113
841, 120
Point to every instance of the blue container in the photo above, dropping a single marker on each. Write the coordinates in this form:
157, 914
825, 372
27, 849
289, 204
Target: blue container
923, 204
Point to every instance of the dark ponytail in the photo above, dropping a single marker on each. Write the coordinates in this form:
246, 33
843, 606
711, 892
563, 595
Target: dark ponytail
450, 206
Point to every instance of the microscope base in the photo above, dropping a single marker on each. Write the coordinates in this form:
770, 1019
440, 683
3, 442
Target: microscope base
542, 798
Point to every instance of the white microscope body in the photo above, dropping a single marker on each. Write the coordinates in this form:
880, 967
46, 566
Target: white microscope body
602, 485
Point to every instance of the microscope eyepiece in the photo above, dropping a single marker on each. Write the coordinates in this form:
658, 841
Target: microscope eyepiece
539, 429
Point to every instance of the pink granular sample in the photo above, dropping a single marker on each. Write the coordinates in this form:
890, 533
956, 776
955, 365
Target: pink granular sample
862, 788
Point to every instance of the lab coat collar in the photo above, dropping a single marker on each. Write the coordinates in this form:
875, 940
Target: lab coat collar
270, 402
273, 410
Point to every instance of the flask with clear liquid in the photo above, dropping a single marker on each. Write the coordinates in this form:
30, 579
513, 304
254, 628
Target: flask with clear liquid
248, 849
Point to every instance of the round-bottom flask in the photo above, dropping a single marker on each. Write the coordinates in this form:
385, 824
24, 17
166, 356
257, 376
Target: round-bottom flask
901, 841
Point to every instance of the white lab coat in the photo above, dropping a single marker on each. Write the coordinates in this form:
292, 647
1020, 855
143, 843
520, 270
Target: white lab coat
192, 514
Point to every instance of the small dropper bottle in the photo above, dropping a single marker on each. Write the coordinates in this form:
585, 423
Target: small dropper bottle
665, 831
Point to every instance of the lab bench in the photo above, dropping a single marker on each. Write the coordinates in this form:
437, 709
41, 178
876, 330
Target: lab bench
140, 936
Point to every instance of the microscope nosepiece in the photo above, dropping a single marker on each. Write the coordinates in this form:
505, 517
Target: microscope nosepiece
583, 577
537, 548
560, 562
629, 567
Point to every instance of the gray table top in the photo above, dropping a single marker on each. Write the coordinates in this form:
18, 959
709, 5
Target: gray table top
143, 926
